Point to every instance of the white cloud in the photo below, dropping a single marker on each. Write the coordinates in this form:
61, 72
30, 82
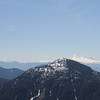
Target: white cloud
84, 60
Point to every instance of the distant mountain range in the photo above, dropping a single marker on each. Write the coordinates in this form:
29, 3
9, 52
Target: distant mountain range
25, 66
9, 74
19, 65
63, 79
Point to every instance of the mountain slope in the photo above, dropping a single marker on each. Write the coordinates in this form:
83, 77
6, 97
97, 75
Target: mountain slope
2, 81
9, 73
63, 79
94, 64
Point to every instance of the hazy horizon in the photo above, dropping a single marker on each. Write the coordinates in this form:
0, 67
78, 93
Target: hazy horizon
75, 58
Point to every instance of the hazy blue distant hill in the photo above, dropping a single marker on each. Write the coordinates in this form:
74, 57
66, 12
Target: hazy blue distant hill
10, 73
22, 66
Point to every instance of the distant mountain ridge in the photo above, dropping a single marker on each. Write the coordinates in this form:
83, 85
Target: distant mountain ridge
10, 73
19, 65
94, 64
62, 79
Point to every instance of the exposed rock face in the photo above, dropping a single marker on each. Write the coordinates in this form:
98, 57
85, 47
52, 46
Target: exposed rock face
62, 79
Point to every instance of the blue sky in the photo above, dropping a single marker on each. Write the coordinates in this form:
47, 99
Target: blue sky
32, 30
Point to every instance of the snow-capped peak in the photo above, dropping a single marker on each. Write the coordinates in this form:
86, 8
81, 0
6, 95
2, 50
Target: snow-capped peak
59, 64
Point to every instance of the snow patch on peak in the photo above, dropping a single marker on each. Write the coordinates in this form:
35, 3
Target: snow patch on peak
59, 64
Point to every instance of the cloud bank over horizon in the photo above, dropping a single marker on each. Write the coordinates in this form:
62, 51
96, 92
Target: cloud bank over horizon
75, 58
85, 60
